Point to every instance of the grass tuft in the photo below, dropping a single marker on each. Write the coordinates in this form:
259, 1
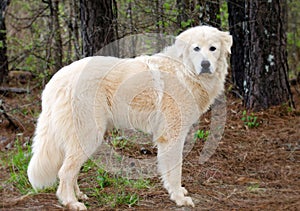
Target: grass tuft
19, 160
250, 121
111, 190
201, 135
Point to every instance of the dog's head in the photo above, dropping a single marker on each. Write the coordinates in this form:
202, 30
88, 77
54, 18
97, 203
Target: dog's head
202, 48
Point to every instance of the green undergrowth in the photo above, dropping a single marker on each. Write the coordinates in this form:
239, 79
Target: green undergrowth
201, 135
16, 162
106, 189
250, 120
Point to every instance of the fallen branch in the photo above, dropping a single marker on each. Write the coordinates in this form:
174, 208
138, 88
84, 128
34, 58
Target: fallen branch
15, 201
4, 90
2, 111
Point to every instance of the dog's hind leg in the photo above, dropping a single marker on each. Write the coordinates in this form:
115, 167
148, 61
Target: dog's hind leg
170, 166
68, 187
76, 154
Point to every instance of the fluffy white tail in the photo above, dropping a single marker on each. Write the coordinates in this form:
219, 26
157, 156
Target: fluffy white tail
47, 159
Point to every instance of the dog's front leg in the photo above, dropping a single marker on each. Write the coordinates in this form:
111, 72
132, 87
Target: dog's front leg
170, 166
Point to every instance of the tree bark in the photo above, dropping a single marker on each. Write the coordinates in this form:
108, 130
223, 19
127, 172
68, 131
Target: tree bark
198, 12
54, 48
182, 17
210, 13
97, 25
3, 47
237, 21
74, 27
266, 68
57, 41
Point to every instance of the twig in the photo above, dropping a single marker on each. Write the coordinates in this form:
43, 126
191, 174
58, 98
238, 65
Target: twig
4, 90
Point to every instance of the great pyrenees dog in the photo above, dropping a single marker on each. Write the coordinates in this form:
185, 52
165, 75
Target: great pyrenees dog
162, 94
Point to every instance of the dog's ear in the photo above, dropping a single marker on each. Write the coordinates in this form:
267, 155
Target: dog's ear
227, 41
180, 46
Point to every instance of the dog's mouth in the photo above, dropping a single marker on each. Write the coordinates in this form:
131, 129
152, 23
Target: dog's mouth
205, 70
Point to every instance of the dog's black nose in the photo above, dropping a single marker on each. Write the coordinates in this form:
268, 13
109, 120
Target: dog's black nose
205, 64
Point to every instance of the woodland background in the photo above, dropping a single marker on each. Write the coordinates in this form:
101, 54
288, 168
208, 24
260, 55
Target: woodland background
36, 29
40, 37
256, 165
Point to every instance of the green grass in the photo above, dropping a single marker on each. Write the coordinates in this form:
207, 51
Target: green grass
114, 200
110, 190
107, 189
17, 162
255, 188
250, 121
201, 135
119, 142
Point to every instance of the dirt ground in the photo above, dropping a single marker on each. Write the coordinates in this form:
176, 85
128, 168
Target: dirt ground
252, 168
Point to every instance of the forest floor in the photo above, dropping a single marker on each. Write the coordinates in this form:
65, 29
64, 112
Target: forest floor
252, 169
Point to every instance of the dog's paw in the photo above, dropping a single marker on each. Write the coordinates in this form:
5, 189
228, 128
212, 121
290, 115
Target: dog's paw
82, 196
184, 191
76, 206
182, 200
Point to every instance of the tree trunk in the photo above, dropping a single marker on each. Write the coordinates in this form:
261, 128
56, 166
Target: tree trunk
237, 20
266, 67
210, 13
75, 19
54, 48
182, 17
97, 25
198, 12
3, 48
57, 41
160, 23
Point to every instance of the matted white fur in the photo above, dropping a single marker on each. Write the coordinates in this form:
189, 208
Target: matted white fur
163, 94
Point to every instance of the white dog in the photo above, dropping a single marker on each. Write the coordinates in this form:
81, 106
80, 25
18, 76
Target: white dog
163, 94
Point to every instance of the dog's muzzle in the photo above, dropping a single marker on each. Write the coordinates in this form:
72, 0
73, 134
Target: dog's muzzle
205, 65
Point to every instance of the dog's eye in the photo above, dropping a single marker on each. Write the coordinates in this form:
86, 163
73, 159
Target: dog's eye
212, 48
196, 49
